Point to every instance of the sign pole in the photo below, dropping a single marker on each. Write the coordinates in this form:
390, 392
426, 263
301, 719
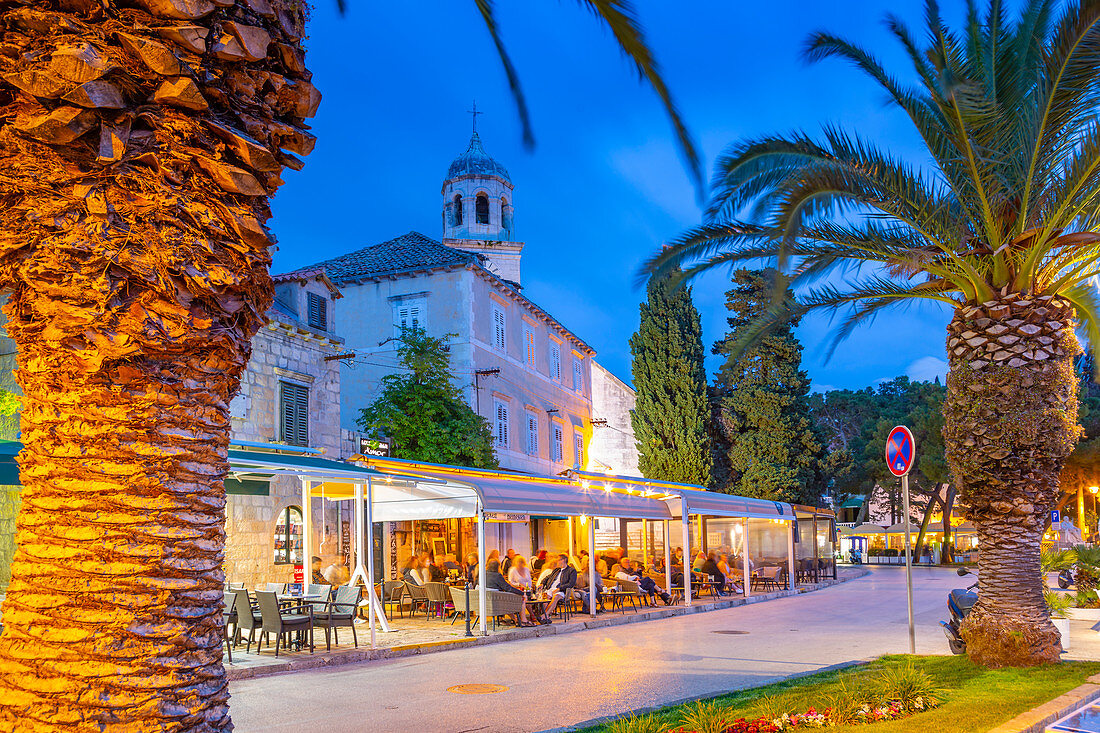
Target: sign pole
901, 452
908, 564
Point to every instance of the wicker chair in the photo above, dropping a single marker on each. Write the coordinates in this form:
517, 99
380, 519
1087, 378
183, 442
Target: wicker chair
276, 587
418, 596
393, 592
498, 603
278, 621
247, 618
438, 598
229, 618
339, 612
630, 591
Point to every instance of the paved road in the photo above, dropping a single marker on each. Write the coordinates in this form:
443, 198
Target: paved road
562, 680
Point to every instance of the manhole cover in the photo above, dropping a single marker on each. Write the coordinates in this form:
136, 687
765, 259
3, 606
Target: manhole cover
477, 689
728, 631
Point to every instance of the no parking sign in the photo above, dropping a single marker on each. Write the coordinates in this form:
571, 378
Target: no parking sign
901, 450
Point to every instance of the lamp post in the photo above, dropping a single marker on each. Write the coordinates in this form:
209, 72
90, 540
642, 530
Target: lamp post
1093, 490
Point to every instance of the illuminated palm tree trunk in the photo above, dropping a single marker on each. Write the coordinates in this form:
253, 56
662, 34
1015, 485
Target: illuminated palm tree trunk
1010, 422
137, 153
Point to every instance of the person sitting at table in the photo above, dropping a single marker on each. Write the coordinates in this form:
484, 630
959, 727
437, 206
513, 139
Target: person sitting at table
472, 573
435, 573
727, 571
582, 591
519, 574
698, 562
414, 571
449, 563
561, 581
710, 569
317, 577
540, 561
495, 581
648, 585
506, 563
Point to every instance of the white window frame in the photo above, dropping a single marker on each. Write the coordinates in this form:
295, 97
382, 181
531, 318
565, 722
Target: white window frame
409, 313
531, 433
555, 360
317, 311
501, 424
557, 442
528, 345
294, 409
578, 449
578, 374
500, 327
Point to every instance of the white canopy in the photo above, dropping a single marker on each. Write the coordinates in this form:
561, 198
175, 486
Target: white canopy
699, 500
447, 492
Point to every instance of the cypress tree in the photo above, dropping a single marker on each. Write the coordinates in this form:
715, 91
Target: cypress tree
670, 413
765, 443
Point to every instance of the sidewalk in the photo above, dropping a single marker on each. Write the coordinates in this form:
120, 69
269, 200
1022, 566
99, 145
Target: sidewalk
423, 635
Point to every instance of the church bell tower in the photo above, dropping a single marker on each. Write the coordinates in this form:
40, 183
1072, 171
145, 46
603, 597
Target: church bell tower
478, 210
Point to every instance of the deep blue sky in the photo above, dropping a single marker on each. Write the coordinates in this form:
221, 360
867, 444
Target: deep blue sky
604, 186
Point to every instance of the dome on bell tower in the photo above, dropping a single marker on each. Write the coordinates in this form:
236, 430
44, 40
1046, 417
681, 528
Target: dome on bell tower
476, 162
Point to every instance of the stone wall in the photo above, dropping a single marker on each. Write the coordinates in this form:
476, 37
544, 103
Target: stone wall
283, 351
613, 447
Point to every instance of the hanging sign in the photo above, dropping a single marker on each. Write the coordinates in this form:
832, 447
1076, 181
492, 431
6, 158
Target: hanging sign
506, 517
299, 574
380, 447
901, 450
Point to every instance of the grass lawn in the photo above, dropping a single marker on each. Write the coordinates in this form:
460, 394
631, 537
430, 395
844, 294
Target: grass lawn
973, 698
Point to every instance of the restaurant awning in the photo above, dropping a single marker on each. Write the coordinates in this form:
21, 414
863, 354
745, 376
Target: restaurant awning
699, 500
866, 528
9, 469
444, 492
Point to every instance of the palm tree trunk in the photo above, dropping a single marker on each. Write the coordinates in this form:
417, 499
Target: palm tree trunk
137, 153
1010, 422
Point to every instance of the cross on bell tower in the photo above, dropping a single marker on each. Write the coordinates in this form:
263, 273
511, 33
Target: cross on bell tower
474, 113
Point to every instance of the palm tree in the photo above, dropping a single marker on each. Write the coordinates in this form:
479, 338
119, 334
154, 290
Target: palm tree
139, 143
999, 224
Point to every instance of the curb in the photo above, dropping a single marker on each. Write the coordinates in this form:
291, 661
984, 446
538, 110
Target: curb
317, 661
1038, 718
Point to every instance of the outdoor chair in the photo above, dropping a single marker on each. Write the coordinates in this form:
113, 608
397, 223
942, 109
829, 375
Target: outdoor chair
247, 618
229, 618
630, 591
458, 600
319, 589
498, 603
766, 578
418, 596
276, 588
283, 621
339, 612
438, 598
393, 593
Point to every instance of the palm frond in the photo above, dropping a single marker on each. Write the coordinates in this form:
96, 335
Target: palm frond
488, 15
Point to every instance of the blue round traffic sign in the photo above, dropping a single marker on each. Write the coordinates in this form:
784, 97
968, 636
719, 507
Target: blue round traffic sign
901, 450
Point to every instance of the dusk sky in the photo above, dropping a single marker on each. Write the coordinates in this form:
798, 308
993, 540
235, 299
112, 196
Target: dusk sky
604, 187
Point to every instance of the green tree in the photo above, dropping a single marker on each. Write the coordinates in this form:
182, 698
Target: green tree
999, 223
768, 446
670, 412
424, 413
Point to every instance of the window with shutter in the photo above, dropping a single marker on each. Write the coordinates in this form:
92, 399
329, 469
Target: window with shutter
498, 327
294, 399
578, 450
318, 312
529, 346
558, 447
532, 434
578, 375
408, 315
501, 425
555, 361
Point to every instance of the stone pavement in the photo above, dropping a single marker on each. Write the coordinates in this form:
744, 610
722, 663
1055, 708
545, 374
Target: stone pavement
421, 634
565, 680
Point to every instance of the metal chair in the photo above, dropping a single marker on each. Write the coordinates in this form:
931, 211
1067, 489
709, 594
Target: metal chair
418, 596
229, 618
274, 620
276, 587
393, 592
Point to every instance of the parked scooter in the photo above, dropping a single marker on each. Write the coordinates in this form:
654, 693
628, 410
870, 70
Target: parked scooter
959, 603
855, 557
1067, 577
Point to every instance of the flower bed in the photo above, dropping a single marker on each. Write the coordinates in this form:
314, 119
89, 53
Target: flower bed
893, 710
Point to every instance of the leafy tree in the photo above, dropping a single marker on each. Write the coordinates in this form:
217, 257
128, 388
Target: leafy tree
999, 222
768, 445
670, 412
424, 413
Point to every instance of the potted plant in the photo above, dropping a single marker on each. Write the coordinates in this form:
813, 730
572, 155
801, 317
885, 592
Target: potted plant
1058, 604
